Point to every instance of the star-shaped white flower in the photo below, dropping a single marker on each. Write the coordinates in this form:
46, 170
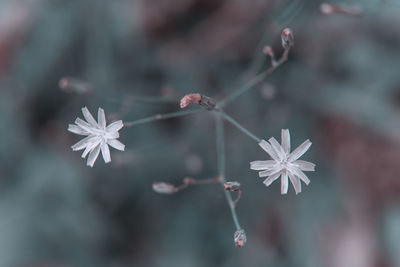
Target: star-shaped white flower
99, 136
284, 164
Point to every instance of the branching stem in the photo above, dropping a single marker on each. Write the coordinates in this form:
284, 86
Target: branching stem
163, 117
220, 140
239, 126
256, 80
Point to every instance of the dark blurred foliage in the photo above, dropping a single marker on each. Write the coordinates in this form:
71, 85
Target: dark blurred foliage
340, 88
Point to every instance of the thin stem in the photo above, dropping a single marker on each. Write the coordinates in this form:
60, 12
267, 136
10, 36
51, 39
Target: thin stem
187, 181
140, 100
256, 80
221, 167
240, 127
163, 117
241, 90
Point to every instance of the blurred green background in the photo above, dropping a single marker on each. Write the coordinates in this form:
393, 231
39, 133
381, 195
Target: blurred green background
340, 88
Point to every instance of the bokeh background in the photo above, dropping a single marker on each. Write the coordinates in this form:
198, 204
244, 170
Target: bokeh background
340, 88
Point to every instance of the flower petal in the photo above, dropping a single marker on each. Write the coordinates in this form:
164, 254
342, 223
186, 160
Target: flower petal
300, 150
86, 151
90, 147
262, 164
89, 118
83, 124
277, 147
101, 118
295, 182
271, 179
93, 156
268, 148
105, 151
112, 135
284, 183
81, 144
301, 175
116, 144
77, 130
268, 172
304, 165
115, 126
285, 140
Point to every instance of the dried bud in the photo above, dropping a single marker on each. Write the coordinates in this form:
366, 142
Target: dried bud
287, 38
202, 100
268, 51
232, 186
73, 85
240, 238
164, 188
191, 98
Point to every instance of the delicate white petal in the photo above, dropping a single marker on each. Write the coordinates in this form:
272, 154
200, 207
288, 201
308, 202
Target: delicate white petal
285, 140
262, 164
300, 150
268, 148
277, 147
77, 130
105, 151
89, 118
284, 183
304, 165
301, 175
81, 144
271, 179
82, 123
101, 118
296, 183
93, 156
112, 135
116, 144
269, 172
86, 151
115, 126
90, 146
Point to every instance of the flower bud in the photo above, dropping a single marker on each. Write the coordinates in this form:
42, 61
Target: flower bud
240, 238
164, 188
232, 186
191, 98
287, 38
202, 100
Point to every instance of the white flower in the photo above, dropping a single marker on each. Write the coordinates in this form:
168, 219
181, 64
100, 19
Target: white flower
284, 164
98, 136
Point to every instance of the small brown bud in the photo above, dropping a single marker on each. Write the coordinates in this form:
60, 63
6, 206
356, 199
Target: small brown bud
191, 98
287, 38
202, 100
164, 188
232, 186
240, 238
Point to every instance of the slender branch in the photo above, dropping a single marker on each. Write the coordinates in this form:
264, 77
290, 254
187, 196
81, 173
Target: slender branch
221, 167
168, 189
163, 117
256, 80
187, 181
240, 127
